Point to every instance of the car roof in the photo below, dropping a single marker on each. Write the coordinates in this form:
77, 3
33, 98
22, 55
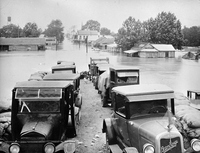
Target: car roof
43, 84
62, 66
144, 92
124, 68
61, 76
66, 62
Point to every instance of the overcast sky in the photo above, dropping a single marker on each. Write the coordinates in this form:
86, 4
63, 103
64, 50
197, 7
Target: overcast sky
109, 13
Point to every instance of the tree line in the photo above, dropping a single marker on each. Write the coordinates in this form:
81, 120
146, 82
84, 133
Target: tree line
165, 28
54, 29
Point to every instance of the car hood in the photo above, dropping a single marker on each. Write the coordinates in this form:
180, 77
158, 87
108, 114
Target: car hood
41, 128
152, 127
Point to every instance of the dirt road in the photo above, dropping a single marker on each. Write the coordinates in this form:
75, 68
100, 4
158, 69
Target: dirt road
90, 138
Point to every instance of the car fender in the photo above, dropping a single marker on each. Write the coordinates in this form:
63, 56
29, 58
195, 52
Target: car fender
130, 150
109, 130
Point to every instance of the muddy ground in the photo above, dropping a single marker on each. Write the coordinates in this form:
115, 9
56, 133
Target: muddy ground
90, 138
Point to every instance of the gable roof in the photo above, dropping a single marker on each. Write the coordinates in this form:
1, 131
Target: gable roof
163, 47
105, 40
157, 47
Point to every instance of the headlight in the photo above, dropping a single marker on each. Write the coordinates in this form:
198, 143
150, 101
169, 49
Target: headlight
49, 147
14, 148
195, 144
148, 148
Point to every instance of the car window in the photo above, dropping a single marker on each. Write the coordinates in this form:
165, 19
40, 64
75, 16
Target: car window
38, 106
147, 107
120, 105
132, 79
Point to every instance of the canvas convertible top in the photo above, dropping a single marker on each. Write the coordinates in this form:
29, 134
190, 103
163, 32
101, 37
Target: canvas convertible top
145, 92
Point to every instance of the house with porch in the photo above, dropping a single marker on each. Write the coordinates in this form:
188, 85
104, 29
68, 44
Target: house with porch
81, 36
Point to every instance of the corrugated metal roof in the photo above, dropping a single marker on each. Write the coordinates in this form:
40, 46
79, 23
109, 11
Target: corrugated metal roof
22, 41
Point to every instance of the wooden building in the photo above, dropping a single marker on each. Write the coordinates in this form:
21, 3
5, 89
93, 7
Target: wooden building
157, 51
22, 44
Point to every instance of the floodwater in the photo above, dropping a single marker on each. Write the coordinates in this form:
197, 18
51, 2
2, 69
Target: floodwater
16, 66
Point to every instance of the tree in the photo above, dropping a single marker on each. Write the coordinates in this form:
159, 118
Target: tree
166, 29
129, 34
105, 31
55, 29
92, 25
31, 30
192, 36
10, 31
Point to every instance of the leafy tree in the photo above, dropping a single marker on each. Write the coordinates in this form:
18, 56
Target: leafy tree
10, 31
192, 36
55, 29
31, 30
165, 29
105, 31
92, 25
129, 34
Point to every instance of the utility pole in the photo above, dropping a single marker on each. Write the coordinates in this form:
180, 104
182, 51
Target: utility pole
86, 41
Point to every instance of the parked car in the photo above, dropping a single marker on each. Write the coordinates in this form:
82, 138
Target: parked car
75, 78
194, 98
93, 67
143, 118
65, 62
42, 117
100, 68
116, 76
63, 68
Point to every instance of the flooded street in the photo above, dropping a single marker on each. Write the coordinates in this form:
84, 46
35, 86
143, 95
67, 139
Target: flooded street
177, 73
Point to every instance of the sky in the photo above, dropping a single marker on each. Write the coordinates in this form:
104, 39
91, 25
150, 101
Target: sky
109, 13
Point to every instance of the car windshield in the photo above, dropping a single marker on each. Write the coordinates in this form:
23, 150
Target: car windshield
148, 107
38, 106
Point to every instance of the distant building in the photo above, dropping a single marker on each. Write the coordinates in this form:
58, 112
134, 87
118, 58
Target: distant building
81, 36
153, 51
22, 44
157, 50
104, 41
50, 41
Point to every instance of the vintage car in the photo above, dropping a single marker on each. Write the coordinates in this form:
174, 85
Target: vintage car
143, 118
116, 76
42, 117
75, 78
100, 68
63, 68
93, 67
193, 94
66, 62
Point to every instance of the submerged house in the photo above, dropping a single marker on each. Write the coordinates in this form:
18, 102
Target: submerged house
81, 36
157, 51
104, 42
22, 44
152, 51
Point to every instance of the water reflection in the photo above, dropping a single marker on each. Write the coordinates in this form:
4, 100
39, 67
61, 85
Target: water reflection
177, 73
